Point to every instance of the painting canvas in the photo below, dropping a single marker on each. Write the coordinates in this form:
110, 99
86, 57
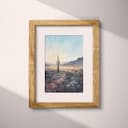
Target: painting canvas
64, 63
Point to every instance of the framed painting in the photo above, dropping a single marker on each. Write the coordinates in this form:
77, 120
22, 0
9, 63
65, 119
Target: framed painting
63, 63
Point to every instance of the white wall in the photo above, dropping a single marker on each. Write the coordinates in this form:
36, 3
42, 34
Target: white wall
113, 113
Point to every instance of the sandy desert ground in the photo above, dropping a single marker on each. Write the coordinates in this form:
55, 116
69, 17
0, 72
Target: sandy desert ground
69, 79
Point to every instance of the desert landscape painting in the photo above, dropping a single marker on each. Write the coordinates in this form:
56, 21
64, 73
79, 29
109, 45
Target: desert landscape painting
64, 63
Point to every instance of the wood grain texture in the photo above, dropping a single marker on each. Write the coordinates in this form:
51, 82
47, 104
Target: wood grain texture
64, 22
32, 63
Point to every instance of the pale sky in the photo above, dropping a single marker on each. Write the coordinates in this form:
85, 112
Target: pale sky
67, 47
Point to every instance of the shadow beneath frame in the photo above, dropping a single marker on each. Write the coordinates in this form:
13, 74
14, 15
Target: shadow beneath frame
15, 113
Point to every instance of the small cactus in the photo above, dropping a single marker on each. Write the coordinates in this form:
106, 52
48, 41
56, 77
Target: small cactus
58, 64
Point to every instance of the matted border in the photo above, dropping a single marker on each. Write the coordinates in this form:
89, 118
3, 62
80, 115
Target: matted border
32, 63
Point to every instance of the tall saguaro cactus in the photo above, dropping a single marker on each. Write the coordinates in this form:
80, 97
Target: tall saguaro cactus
58, 64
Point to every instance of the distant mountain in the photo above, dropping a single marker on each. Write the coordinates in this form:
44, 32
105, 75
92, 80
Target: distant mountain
77, 62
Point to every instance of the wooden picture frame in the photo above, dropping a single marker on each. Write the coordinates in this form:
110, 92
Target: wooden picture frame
33, 24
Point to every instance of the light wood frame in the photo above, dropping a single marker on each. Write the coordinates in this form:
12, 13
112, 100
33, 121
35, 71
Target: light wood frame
32, 62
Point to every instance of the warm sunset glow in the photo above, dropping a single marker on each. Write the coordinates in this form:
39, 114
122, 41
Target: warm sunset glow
67, 47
